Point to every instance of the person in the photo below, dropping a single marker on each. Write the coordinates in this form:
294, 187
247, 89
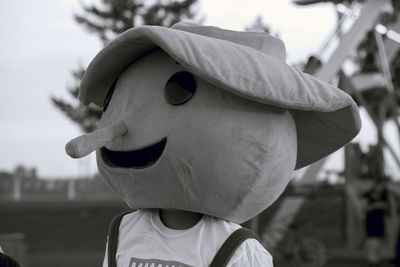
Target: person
7, 261
377, 208
201, 131
394, 222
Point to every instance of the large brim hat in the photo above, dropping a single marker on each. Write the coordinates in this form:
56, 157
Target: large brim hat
248, 64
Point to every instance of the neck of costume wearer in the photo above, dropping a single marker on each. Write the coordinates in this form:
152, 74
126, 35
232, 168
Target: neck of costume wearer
179, 219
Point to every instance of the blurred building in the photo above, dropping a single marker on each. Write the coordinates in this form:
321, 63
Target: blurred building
24, 184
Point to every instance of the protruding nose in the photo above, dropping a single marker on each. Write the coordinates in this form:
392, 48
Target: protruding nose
87, 143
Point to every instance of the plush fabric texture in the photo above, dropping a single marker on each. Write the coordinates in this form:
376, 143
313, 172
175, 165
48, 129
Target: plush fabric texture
87, 143
225, 156
249, 65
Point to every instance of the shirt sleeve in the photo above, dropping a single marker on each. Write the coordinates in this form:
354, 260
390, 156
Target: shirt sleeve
250, 254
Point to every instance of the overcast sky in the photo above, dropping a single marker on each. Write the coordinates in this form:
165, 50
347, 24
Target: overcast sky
41, 44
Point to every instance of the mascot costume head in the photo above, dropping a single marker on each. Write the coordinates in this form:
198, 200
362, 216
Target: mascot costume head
207, 120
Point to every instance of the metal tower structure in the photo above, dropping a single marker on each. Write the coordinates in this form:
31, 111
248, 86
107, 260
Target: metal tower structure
359, 21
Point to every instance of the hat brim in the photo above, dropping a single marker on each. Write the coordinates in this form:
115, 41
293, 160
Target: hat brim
326, 117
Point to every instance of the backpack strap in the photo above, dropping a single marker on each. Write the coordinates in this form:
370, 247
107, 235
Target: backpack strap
220, 260
230, 245
112, 243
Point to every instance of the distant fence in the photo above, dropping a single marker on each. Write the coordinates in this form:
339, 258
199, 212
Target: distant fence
14, 188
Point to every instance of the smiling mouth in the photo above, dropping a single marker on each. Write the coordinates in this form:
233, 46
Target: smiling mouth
137, 159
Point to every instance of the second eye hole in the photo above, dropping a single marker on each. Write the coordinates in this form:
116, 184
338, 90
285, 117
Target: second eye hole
180, 88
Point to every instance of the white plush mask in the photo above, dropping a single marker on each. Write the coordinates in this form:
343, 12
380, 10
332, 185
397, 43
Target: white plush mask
217, 153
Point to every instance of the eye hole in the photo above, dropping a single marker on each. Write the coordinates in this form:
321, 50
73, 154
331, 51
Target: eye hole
180, 88
109, 95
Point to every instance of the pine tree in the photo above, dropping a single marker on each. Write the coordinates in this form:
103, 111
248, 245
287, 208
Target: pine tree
107, 20
259, 25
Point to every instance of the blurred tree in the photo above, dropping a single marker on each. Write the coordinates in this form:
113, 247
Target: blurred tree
258, 25
24, 172
107, 20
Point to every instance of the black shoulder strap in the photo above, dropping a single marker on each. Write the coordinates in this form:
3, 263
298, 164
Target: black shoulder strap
220, 260
112, 243
230, 245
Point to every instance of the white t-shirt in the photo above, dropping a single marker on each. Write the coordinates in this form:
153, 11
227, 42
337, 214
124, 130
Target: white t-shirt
146, 242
